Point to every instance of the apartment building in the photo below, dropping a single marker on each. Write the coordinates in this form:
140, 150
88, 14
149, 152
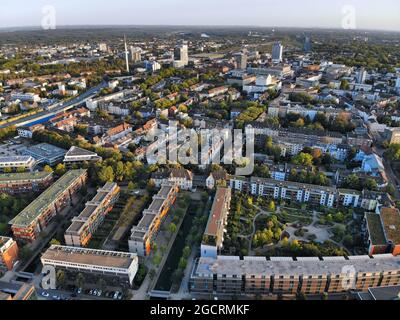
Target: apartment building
182, 177
14, 183
230, 276
14, 163
148, 227
85, 225
105, 263
296, 192
8, 253
32, 220
213, 237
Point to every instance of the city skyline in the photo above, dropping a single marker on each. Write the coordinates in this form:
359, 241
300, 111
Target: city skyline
363, 15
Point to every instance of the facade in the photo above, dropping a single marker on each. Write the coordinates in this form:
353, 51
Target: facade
182, 177
240, 61
14, 163
229, 276
382, 231
297, 192
85, 225
13, 183
107, 263
31, 221
8, 253
78, 156
277, 52
46, 153
214, 234
181, 54
148, 227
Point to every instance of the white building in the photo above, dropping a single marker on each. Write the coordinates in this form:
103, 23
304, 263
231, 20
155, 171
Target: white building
107, 263
17, 162
29, 97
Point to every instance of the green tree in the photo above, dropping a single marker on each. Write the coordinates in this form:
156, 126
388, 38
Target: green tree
60, 169
106, 174
47, 168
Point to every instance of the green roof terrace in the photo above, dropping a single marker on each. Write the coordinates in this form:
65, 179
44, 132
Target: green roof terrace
24, 176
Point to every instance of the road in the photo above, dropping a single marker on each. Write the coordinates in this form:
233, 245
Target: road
57, 108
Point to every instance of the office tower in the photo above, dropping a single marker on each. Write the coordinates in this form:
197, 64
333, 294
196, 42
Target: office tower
181, 53
103, 47
361, 76
126, 55
277, 52
307, 44
136, 54
241, 60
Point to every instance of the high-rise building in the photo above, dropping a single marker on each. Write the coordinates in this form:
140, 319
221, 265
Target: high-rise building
103, 47
181, 53
277, 52
307, 44
135, 54
126, 55
361, 76
241, 60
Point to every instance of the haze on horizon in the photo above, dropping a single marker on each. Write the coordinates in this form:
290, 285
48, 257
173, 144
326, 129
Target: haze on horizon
369, 14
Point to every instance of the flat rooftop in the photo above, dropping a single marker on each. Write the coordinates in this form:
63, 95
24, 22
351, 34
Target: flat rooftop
45, 150
90, 208
288, 184
89, 257
11, 159
24, 176
35, 208
230, 266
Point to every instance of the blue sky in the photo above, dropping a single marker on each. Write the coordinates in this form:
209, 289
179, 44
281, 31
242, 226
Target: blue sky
369, 14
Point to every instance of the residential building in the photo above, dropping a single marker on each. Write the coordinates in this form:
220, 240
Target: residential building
32, 220
142, 235
8, 253
13, 183
232, 276
213, 237
14, 163
121, 265
182, 177
181, 54
89, 220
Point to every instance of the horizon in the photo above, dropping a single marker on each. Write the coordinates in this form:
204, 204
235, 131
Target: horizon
309, 14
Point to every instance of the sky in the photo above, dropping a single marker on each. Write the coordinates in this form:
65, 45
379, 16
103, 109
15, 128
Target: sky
358, 14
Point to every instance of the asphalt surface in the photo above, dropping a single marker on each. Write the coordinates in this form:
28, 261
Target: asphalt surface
59, 107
